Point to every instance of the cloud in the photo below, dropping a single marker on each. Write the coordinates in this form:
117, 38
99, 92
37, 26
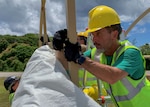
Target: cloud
19, 16
23, 16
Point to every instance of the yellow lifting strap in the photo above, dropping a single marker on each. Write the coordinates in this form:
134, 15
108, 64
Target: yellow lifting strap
43, 24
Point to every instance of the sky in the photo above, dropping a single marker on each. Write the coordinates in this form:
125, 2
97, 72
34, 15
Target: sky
19, 17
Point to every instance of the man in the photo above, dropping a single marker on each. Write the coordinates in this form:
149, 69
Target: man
82, 37
11, 84
121, 67
85, 79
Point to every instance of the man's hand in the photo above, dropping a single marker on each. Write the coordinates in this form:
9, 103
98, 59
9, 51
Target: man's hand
72, 52
59, 39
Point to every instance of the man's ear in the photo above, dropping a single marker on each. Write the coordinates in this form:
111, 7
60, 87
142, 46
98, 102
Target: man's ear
115, 34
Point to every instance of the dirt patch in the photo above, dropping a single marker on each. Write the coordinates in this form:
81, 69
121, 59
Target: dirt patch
6, 74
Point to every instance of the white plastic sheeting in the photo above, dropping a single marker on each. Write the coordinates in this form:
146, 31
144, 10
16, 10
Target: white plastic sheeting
45, 83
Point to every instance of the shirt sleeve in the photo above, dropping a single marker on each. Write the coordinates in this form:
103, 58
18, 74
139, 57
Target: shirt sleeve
87, 53
131, 62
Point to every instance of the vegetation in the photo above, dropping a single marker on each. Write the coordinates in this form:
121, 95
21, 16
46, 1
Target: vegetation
15, 51
146, 51
4, 95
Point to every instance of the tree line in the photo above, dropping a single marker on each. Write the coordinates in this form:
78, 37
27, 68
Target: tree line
15, 51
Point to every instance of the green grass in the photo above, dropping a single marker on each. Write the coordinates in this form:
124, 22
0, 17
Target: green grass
4, 94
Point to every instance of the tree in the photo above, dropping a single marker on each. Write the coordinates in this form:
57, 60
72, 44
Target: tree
145, 49
3, 66
15, 51
24, 51
17, 65
3, 44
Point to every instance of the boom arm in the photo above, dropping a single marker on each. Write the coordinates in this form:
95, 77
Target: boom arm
137, 20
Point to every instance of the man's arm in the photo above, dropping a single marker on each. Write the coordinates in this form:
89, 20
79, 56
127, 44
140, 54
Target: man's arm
104, 72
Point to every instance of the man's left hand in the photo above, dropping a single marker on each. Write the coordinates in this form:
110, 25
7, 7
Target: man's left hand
59, 39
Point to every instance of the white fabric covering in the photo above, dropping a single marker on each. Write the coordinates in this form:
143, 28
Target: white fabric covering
45, 83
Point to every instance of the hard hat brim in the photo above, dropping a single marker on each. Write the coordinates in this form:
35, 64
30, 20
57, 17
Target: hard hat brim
92, 30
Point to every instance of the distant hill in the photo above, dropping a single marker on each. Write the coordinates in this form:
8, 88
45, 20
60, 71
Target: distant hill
15, 51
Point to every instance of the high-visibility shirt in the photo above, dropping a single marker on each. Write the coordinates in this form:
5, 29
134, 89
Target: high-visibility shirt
11, 96
128, 92
89, 82
86, 79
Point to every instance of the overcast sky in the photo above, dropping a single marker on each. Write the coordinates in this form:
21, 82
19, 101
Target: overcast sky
18, 17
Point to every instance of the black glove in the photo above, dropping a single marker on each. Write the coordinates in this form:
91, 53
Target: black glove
59, 39
72, 52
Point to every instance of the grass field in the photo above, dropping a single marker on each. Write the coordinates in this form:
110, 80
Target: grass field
3, 95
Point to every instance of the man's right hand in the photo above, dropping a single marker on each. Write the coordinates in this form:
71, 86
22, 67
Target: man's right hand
72, 52
59, 39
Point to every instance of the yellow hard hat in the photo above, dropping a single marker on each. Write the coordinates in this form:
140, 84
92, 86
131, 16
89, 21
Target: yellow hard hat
102, 16
85, 34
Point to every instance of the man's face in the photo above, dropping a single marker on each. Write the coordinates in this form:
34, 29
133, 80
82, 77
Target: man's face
81, 40
15, 86
102, 39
